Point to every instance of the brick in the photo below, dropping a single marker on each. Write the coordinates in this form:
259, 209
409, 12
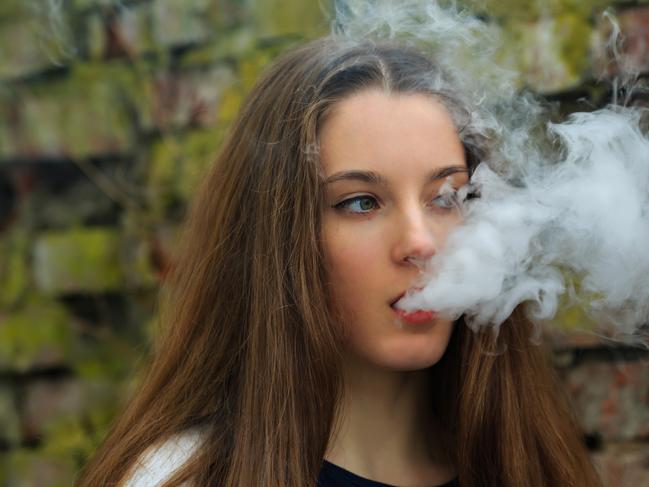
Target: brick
231, 100
121, 31
7, 110
59, 414
87, 5
139, 249
47, 400
9, 421
251, 66
14, 272
82, 115
3, 468
13, 9
152, 255
164, 247
526, 10
19, 54
572, 327
611, 399
578, 338
178, 22
83, 202
37, 335
26, 468
111, 357
190, 98
34, 44
178, 164
202, 148
551, 53
275, 18
633, 48
228, 44
85, 260
624, 465
74, 424
163, 171
95, 259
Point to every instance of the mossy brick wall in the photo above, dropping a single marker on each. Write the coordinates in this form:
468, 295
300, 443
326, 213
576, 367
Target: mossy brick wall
110, 111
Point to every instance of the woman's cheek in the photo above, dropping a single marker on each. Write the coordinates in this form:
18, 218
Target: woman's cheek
358, 249
354, 259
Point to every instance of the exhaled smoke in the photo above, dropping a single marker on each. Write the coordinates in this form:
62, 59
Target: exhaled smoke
569, 200
586, 215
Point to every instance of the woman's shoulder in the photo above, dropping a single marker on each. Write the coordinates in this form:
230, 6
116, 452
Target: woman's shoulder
160, 462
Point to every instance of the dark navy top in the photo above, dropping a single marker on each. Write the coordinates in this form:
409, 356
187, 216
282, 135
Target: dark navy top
331, 475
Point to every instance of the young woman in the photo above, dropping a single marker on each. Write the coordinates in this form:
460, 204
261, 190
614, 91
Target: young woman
284, 361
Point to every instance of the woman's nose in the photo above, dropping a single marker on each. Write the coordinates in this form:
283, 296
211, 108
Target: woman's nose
415, 241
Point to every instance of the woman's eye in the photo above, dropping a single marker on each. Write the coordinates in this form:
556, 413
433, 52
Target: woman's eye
358, 204
446, 201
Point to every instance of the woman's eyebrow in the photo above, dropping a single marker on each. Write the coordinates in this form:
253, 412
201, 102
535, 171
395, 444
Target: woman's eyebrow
375, 178
355, 175
446, 171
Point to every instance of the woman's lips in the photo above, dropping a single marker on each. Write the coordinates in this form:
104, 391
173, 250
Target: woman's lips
415, 317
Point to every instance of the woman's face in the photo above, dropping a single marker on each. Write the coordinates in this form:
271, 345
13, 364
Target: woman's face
388, 160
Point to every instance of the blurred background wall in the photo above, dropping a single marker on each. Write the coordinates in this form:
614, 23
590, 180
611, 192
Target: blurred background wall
109, 112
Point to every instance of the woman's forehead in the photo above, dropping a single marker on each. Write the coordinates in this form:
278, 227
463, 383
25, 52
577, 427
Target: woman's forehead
377, 131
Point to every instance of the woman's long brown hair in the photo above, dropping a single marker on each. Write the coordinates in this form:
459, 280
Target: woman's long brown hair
250, 351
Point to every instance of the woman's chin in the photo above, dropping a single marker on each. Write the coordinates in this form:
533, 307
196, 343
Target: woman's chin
412, 365
409, 360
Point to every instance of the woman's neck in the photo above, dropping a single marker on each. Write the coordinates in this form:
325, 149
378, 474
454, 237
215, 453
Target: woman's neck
385, 427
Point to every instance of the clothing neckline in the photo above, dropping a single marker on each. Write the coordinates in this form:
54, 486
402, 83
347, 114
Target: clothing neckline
365, 482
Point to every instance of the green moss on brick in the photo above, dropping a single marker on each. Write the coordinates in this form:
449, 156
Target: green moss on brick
178, 22
78, 260
38, 334
37, 467
134, 24
113, 358
10, 10
231, 100
75, 434
178, 164
9, 421
231, 44
582, 8
20, 52
509, 9
93, 111
549, 53
7, 147
138, 229
575, 32
35, 37
83, 5
572, 314
164, 171
251, 67
275, 18
200, 149
526, 10
14, 248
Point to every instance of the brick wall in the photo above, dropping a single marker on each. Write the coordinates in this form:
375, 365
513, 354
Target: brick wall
110, 110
